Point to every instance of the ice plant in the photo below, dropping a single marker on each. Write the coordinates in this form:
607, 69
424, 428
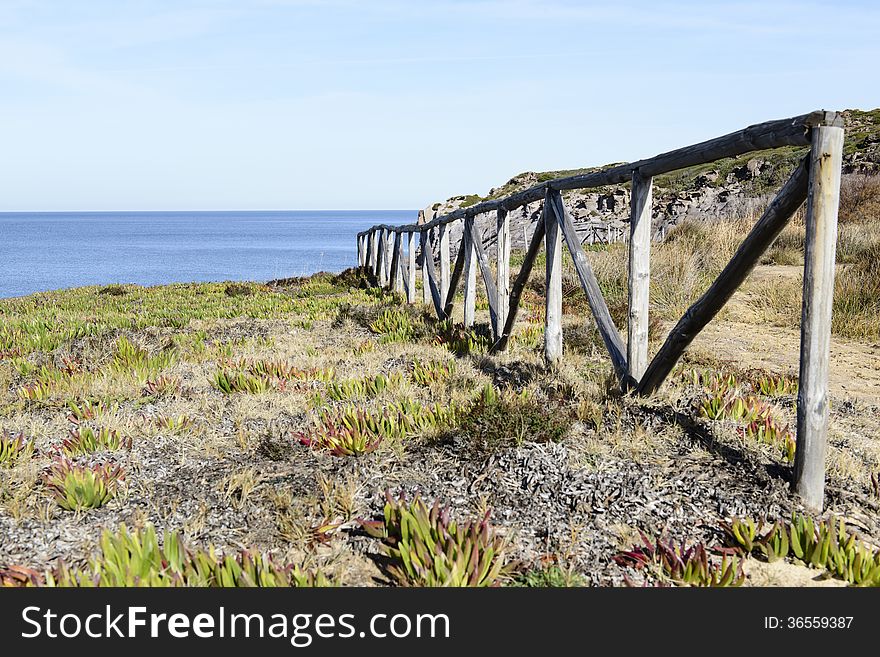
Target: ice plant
13, 447
135, 558
78, 487
682, 565
428, 548
427, 373
85, 440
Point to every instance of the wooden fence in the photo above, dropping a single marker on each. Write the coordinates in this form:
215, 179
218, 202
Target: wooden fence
816, 180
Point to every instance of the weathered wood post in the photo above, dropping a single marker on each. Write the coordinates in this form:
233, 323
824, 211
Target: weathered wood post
821, 239
360, 247
427, 252
383, 261
411, 267
389, 252
470, 272
639, 275
443, 232
502, 223
368, 261
374, 253
553, 285
397, 263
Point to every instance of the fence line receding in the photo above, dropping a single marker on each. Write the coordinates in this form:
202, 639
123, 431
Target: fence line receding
815, 180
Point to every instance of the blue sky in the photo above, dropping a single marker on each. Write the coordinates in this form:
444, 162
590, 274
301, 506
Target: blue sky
287, 104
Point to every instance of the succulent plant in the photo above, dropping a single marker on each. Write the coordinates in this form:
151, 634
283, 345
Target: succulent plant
13, 447
174, 423
682, 565
135, 558
431, 372
162, 386
393, 326
364, 387
823, 545
427, 547
85, 440
90, 410
78, 487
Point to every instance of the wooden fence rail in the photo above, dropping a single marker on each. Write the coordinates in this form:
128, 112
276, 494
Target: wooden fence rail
816, 180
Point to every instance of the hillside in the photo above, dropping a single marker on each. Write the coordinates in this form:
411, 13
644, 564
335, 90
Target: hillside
727, 188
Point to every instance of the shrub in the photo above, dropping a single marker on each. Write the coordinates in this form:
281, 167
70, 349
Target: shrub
502, 419
78, 487
427, 547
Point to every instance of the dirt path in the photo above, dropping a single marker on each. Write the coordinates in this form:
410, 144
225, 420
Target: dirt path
855, 366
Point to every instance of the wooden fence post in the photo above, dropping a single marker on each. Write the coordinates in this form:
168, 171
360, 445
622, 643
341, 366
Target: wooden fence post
389, 252
397, 263
639, 276
502, 275
380, 254
553, 285
443, 232
360, 247
470, 272
821, 240
411, 267
427, 252
374, 253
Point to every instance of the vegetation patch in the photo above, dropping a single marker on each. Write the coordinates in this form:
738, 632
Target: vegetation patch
77, 487
682, 565
819, 545
136, 558
427, 547
85, 440
500, 419
14, 448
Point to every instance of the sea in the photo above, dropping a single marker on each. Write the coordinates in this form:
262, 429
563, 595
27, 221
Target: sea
42, 251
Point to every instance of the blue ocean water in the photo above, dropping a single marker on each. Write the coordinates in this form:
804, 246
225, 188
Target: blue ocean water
47, 251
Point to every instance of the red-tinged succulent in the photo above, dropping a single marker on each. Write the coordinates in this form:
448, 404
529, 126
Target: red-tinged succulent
682, 565
13, 447
78, 487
